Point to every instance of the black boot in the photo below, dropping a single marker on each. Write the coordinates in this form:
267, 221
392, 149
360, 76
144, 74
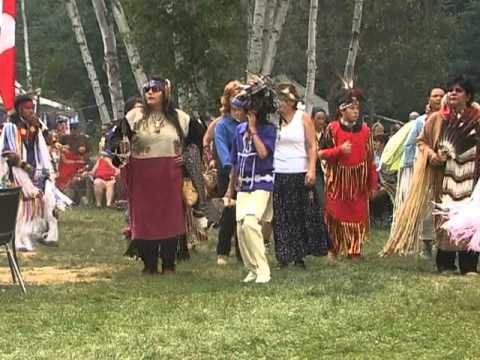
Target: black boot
300, 264
446, 261
427, 250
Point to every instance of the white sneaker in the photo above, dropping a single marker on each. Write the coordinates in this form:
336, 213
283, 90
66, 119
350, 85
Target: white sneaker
222, 260
251, 276
262, 279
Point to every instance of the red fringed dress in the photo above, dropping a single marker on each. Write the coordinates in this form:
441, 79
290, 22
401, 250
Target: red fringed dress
349, 181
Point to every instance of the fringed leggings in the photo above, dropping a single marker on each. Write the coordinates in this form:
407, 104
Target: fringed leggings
347, 238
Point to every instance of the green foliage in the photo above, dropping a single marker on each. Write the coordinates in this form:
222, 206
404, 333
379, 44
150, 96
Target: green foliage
57, 66
211, 43
381, 308
406, 47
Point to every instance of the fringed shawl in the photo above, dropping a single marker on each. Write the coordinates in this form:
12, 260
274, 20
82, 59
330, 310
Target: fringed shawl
403, 238
426, 186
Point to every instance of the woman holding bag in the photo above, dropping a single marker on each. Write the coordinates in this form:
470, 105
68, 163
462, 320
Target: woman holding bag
154, 177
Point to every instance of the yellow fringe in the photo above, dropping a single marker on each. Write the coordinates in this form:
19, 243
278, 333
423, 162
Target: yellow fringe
403, 238
347, 237
347, 182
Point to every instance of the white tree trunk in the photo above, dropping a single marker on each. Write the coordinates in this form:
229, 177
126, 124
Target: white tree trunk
311, 56
181, 88
26, 46
269, 21
354, 43
254, 64
132, 50
112, 65
198, 88
275, 33
74, 15
248, 6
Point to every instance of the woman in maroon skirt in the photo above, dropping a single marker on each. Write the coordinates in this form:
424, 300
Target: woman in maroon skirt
153, 177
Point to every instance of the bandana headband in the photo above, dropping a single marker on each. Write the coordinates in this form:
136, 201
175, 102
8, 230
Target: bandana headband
345, 105
239, 103
157, 85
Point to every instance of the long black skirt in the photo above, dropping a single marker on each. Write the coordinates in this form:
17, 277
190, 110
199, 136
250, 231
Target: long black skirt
298, 226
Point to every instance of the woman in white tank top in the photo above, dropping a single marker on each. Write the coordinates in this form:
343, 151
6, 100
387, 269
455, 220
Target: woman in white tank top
291, 152
297, 220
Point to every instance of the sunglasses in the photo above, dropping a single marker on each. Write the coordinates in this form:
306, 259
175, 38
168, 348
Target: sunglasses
154, 85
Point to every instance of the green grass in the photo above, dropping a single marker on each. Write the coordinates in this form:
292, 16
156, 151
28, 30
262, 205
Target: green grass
394, 308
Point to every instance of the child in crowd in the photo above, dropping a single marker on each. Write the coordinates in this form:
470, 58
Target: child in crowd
104, 174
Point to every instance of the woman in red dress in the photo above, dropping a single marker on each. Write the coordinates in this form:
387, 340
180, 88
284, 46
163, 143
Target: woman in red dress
154, 177
350, 176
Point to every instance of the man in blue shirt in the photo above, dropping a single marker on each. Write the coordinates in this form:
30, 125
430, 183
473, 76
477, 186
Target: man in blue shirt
434, 101
224, 138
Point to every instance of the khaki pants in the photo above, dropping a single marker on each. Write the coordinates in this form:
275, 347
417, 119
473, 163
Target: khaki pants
252, 210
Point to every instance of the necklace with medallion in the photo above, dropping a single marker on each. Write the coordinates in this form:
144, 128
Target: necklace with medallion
156, 120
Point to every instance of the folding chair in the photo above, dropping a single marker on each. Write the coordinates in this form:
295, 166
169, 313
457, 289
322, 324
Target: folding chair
9, 201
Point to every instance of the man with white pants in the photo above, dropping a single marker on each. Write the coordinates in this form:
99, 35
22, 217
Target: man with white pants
252, 173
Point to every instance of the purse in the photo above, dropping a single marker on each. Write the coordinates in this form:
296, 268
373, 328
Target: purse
210, 179
189, 193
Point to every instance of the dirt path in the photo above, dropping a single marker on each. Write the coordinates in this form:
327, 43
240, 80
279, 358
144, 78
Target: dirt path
54, 275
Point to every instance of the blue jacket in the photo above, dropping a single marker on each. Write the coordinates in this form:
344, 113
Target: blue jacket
411, 142
224, 138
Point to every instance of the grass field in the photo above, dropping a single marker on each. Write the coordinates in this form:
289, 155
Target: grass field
395, 308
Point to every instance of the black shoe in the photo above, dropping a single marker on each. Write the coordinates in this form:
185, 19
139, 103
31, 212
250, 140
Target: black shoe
168, 271
447, 270
300, 264
147, 271
47, 243
282, 265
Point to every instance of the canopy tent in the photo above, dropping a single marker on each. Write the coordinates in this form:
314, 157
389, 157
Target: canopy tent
47, 109
317, 100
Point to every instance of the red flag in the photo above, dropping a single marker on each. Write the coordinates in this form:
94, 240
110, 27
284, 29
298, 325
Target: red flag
7, 52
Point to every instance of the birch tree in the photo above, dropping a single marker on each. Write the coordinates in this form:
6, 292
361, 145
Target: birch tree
248, 7
199, 91
354, 43
112, 65
281, 10
268, 19
132, 50
74, 15
255, 52
268, 26
181, 88
311, 55
28, 67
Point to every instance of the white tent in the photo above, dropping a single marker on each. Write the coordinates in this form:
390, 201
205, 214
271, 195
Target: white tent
19, 90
